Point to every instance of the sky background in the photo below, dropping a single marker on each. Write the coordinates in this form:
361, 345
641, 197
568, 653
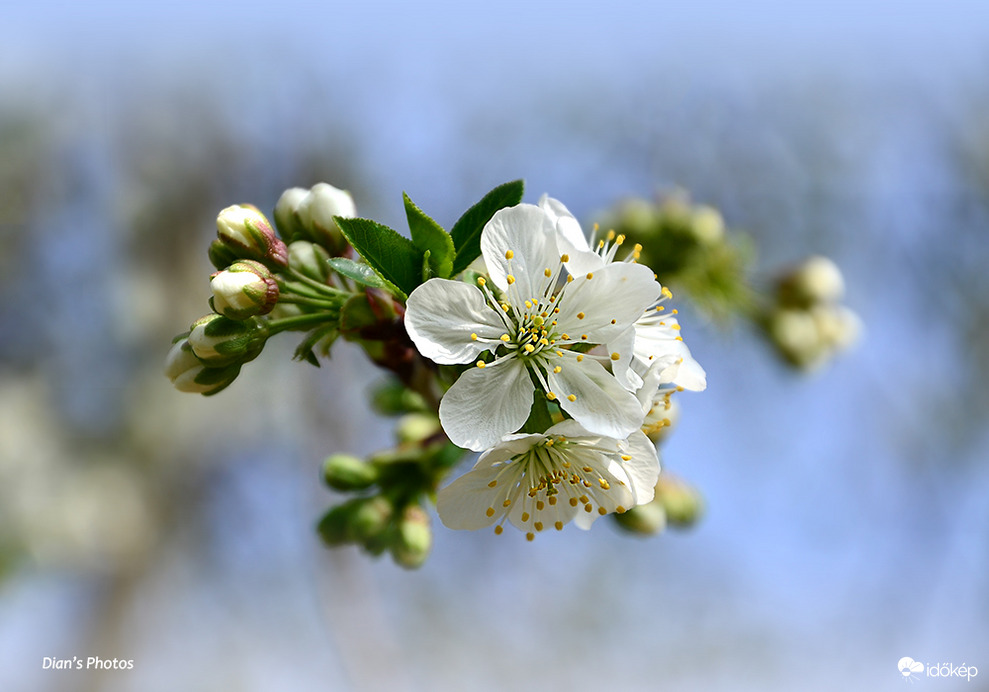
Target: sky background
847, 519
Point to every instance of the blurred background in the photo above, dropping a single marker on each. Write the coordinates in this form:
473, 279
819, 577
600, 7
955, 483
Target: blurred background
847, 519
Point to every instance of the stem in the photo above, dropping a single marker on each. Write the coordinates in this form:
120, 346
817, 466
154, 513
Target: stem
307, 300
320, 288
299, 323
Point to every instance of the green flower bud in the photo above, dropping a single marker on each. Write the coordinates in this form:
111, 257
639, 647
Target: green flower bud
370, 517
681, 502
244, 289
707, 224
795, 334
220, 255
411, 546
417, 427
188, 374
838, 326
392, 397
645, 520
246, 233
219, 341
316, 212
309, 259
345, 472
286, 213
816, 280
334, 528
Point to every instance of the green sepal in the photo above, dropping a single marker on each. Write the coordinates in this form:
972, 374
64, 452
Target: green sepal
356, 271
394, 257
429, 236
466, 233
427, 270
305, 350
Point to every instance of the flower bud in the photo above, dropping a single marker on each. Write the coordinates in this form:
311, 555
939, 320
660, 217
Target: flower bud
838, 326
248, 235
334, 527
645, 520
371, 517
795, 334
244, 289
417, 427
681, 502
345, 472
316, 212
707, 224
287, 213
816, 280
219, 341
221, 255
188, 374
309, 259
411, 546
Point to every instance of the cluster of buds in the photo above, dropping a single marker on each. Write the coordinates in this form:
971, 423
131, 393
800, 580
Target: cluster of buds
308, 215
689, 248
391, 486
805, 320
676, 504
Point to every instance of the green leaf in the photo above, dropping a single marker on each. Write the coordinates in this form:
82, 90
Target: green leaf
429, 236
356, 271
466, 233
427, 270
394, 257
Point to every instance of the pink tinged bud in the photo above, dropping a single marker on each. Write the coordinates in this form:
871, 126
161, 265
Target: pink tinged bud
246, 234
244, 289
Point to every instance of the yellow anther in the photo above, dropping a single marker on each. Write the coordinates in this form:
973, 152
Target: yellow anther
571, 397
583, 337
611, 236
587, 469
626, 457
547, 273
620, 239
570, 278
679, 389
559, 353
667, 292
525, 516
678, 338
473, 337
588, 508
552, 500
490, 512
573, 501
539, 505
675, 311
506, 503
528, 304
637, 247
509, 254
505, 338
600, 244
538, 526
551, 396
493, 483
557, 369
604, 484
590, 275
565, 336
583, 499
510, 279
529, 536
580, 357
529, 348
602, 511
580, 315
616, 356
544, 342
481, 281
564, 258
480, 363
620, 509
558, 526
504, 306
498, 530
614, 321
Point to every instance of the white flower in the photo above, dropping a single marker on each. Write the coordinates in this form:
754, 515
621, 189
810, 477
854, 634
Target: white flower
533, 329
655, 334
545, 480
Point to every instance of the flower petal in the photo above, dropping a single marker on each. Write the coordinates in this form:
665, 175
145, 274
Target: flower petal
529, 235
486, 403
606, 304
624, 346
570, 238
441, 317
600, 403
643, 468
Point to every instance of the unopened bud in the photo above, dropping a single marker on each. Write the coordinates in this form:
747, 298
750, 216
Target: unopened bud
816, 280
244, 289
309, 259
414, 540
838, 326
188, 374
645, 520
417, 427
681, 502
334, 528
316, 212
219, 341
371, 517
795, 334
393, 397
248, 235
345, 472
707, 224
287, 213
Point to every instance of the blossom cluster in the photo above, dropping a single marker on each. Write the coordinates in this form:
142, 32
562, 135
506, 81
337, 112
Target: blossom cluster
568, 350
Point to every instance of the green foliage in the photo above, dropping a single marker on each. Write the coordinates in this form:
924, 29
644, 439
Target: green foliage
466, 233
394, 257
427, 235
356, 271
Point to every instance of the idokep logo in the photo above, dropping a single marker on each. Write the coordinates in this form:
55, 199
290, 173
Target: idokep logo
911, 670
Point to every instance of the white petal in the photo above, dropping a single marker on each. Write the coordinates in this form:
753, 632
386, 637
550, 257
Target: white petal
485, 404
623, 345
612, 300
643, 468
442, 315
463, 504
570, 238
655, 341
529, 234
601, 404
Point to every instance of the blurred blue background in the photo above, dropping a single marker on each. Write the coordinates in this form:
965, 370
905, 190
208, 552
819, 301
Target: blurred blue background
848, 511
